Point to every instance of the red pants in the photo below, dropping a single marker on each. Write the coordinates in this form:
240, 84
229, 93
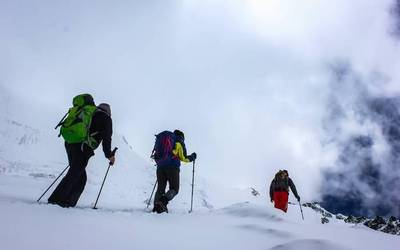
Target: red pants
281, 199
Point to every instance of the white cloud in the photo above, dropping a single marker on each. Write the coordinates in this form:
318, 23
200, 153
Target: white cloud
246, 80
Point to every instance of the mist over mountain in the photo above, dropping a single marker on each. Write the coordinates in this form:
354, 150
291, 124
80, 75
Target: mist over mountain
256, 86
395, 11
365, 128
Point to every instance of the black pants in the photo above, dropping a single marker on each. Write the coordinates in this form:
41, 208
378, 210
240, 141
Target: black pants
69, 190
166, 175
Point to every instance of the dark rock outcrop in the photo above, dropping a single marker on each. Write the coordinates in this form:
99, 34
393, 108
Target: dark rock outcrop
390, 226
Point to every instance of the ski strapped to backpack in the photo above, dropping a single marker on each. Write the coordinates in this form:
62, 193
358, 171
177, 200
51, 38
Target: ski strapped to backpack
76, 123
163, 147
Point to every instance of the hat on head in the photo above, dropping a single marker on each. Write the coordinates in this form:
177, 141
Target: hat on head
179, 134
105, 107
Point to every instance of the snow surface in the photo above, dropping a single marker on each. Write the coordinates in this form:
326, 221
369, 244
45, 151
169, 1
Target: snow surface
245, 225
223, 217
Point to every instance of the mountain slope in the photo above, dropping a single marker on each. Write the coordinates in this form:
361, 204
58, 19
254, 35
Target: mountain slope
240, 226
30, 159
39, 154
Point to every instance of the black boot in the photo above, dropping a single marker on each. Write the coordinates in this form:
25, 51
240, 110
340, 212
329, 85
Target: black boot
164, 201
159, 207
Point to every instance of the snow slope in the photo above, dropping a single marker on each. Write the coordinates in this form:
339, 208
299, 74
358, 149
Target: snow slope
224, 218
30, 152
38, 153
252, 225
122, 221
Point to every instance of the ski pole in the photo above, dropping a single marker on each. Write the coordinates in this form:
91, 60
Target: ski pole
191, 202
301, 210
52, 184
102, 184
151, 196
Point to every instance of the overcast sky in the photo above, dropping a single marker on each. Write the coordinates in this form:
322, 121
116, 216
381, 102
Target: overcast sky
247, 81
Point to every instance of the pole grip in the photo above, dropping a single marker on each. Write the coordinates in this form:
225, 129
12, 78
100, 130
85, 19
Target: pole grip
113, 153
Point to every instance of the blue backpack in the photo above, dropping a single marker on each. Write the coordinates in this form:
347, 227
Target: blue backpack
162, 151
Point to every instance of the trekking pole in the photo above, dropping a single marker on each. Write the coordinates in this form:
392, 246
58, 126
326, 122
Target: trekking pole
151, 196
52, 184
301, 210
191, 202
102, 184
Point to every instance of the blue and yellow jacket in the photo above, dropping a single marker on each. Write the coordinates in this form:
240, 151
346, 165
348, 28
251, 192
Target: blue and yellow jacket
180, 152
178, 155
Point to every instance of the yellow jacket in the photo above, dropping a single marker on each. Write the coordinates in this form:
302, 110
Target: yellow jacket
178, 151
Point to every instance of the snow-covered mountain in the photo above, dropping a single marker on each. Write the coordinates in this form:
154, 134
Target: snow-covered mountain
246, 225
28, 152
223, 218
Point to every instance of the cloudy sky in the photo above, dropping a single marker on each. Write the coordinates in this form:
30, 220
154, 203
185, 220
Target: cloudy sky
248, 81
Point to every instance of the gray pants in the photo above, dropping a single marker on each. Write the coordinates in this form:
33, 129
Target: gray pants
166, 175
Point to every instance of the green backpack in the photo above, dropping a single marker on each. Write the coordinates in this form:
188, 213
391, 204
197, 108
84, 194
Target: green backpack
76, 123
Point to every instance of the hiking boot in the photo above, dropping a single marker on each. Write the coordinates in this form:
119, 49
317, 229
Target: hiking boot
165, 209
59, 203
159, 207
164, 200
156, 208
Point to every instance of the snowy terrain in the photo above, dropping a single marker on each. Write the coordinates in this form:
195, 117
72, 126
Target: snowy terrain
223, 218
309, 86
251, 225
